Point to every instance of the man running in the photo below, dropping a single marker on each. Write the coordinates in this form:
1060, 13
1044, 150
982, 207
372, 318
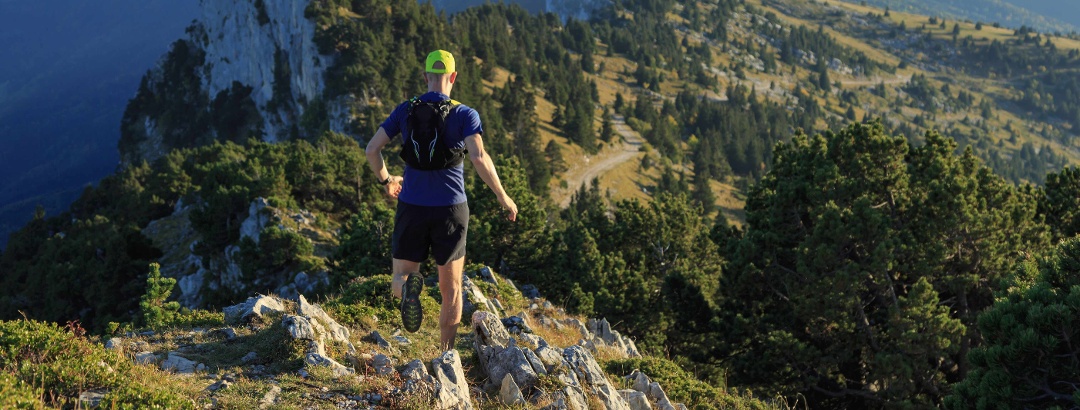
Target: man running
432, 210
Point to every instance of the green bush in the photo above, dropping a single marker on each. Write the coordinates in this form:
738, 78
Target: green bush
681, 386
362, 298
15, 394
60, 365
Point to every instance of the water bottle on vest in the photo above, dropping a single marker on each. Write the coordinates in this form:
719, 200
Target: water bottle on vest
424, 138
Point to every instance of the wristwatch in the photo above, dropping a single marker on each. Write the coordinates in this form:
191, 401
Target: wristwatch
387, 181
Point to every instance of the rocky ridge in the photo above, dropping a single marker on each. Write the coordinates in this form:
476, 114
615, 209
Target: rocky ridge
194, 274
326, 364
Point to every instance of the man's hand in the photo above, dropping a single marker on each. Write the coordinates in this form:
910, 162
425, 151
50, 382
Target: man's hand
393, 188
509, 205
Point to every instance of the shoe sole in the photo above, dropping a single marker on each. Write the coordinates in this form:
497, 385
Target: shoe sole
412, 313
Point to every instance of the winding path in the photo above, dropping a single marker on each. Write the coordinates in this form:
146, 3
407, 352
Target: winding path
611, 158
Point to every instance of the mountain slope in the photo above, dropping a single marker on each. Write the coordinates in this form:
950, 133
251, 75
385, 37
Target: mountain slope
1048, 16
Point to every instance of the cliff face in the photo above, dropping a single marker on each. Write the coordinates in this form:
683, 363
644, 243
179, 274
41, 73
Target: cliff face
262, 44
247, 69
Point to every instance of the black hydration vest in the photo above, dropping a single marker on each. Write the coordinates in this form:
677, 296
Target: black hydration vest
424, 144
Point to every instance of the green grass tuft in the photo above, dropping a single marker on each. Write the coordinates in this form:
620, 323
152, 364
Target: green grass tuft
56, 365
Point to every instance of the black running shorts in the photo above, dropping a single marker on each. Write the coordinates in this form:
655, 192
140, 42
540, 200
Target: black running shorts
442, 229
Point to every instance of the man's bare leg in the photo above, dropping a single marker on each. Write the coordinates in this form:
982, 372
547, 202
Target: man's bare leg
402, 269
450, 287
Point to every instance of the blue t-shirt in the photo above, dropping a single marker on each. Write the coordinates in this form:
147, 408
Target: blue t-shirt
442, 187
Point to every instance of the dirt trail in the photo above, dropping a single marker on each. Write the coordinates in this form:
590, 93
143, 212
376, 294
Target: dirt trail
609, 159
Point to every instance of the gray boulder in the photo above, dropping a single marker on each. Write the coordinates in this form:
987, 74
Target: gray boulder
612, 338
334, 331
636, 399
378, 339
299, 327
489, 330
319, 359
474, 300
383, 364
414, 370
146, 358
593, 379
452, 389
509, 392
512, 361
180, 365
116, 344
253, 307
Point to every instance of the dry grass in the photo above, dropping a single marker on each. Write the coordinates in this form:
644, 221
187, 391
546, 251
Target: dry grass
841, 38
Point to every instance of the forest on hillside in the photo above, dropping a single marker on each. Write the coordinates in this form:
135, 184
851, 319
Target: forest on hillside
878, 266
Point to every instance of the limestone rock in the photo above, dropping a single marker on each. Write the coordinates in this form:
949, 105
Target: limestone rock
256, 220
146, 358
610, 337
383, 364
509, 392
487, 275
116, 344
518, 322
657, 393
551, 358
531, 340
535, 362
175, 363
271, 397
334, 331
579, 326
227, 332
379, 340
489, 330
593, 379
512, 361
253, 307
316, 359
636, 399
529, 291
219, 385
91, 398
639, 381
452, 389
474, 300
414, 370
299, 327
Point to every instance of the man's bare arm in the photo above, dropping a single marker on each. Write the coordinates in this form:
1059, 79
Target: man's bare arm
378, 166
486, 169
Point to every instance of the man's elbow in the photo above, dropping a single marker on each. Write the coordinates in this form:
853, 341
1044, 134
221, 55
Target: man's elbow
477, 157
373, 149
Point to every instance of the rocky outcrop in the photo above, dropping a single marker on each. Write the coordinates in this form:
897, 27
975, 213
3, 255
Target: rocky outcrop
473, 299
313, 325
222, 272
516, 369
260, 53
451, 387
506, 363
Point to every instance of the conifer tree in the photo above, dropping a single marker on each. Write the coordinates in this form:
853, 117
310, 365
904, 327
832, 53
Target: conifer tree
1030, 358
154, 304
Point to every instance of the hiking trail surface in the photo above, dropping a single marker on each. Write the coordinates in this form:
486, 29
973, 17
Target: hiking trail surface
606, 160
